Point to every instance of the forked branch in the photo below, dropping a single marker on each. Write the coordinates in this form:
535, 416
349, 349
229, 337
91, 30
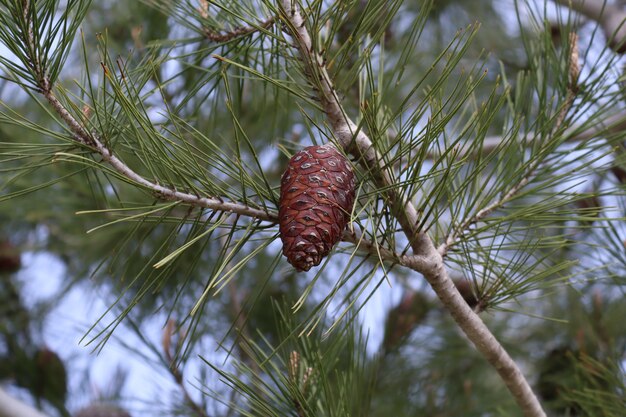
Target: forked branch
425, 259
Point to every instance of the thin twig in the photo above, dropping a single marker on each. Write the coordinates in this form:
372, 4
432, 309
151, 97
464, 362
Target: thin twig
426, 259
83, 136
572, 88
221, 37
164, 193
226, 36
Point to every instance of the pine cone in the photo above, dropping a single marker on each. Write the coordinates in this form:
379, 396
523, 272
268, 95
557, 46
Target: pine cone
316, 198
465, 288
10, 259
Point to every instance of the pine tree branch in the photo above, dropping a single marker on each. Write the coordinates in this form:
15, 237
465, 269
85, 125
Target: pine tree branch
572, 88
12, 407
612, 125
426, 259
612, 19
165, 193
222, 37
84, 137
91, 140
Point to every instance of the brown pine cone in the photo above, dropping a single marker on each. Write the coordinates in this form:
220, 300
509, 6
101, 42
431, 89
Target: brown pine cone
10, 259
316, 199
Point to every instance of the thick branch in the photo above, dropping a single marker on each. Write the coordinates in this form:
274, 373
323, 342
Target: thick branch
427, 259
351, 138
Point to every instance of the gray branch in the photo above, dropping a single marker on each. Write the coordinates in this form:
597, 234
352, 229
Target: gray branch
84, 137
426, 259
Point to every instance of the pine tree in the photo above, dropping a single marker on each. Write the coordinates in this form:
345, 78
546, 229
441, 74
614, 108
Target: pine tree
479, 270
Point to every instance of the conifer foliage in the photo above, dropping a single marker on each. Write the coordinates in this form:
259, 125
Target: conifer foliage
313, 208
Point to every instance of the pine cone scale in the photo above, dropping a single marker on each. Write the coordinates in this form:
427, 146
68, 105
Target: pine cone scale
317, 194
